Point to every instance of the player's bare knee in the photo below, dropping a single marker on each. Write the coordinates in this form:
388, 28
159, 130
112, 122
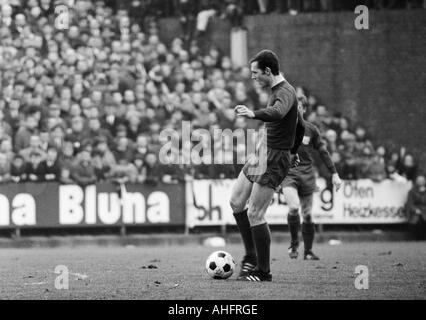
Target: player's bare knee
293, 211
307, 218
293, 204
256, 220
255, 216
237, 204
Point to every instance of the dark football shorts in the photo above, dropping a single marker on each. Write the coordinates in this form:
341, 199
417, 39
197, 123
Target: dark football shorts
301, 178
277, 166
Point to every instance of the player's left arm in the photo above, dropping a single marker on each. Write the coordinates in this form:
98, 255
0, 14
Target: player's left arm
300, 132
320, 145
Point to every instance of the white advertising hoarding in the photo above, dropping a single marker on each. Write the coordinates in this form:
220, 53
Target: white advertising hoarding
357, 202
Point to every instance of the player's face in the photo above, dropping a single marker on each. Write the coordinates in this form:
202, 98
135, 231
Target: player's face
258, 75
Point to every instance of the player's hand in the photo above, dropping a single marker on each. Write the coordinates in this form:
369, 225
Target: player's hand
243, 111
295, 160
336, 181
253, 160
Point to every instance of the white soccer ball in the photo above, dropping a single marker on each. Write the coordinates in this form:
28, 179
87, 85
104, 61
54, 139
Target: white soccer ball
220, 265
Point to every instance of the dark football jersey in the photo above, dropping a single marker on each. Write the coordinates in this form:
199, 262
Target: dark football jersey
312, 140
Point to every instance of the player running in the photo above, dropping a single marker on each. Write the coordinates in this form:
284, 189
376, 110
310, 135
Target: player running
299, 186
258, 181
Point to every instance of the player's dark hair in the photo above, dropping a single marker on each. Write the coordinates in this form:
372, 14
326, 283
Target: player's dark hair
267, 59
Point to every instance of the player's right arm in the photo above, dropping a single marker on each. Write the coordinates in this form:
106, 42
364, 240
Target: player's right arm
282, 104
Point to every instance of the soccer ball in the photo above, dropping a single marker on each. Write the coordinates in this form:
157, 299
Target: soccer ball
220, 265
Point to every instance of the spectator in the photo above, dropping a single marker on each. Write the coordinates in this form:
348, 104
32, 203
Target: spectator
331, 139
7, 148
52, 166
361, 140
44, 139
35, 168
101, 170
186, 10
57, 136
4, 168
377, 170
22, 137
393, 174
134, 125
34, 146
123, 150
171, 173
124, 172
392, 163
18, 169
364, 163
5, 128
408, 168
96, 132
110, 120
77, 133
416, 206
67, 154
107, 158
83, 172
349, 167
46, 7
12, 116
142, 146
234, 12
138, 161
203, 17
152, 169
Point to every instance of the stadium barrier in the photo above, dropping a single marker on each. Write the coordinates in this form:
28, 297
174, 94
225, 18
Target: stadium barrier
45, 205
358, 202
198, 203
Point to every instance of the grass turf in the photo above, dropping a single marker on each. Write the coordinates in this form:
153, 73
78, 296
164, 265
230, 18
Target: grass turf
397, 270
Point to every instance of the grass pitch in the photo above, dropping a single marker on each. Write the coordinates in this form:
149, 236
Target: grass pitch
397, 270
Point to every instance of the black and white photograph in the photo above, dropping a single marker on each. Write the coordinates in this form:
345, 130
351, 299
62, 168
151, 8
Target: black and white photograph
209, 156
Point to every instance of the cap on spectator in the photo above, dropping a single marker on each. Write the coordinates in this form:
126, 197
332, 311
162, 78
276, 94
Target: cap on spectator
56, 126
96, 153
99, 140
18, 156
35, 153
349, 137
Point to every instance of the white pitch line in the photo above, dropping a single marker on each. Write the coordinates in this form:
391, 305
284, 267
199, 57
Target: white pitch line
79, 275
35, 283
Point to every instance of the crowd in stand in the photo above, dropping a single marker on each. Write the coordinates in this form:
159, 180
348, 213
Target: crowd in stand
167, 8
353, 152
194, 15
89, 103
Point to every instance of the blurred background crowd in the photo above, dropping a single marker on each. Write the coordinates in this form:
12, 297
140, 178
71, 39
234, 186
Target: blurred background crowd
88, 103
